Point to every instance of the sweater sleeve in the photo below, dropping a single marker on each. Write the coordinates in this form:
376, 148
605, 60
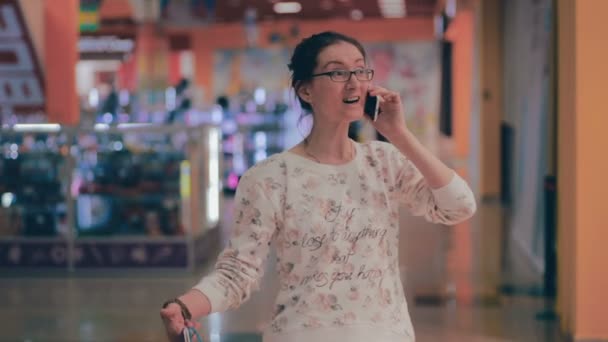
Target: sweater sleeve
240, 265
449, 205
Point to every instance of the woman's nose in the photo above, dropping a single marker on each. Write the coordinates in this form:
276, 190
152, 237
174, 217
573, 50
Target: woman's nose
353, 82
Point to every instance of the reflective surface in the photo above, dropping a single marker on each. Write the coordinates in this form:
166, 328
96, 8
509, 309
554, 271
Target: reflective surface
450, 275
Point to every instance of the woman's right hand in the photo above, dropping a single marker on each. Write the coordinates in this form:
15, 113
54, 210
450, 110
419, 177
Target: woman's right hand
175, 323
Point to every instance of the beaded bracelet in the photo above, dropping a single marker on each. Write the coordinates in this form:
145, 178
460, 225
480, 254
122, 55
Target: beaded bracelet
188, 332
185, 312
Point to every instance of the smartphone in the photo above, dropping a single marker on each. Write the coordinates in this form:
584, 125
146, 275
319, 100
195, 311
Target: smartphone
186, 335
371, 107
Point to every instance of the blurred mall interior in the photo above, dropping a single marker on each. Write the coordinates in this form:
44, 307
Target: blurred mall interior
126, 125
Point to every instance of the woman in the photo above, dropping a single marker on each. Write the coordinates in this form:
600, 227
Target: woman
331, 206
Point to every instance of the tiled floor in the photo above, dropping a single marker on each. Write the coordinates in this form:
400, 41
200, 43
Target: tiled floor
450, 276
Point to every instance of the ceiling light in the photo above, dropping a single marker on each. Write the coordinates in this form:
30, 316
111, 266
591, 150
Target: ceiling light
50, 128
287, 7
392, 8
356, 14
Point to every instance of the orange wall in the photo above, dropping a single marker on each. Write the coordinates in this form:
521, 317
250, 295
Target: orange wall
60, 58
582, 169
461, 34
115, 9
206, 40
370, 30
591, 169
152, 58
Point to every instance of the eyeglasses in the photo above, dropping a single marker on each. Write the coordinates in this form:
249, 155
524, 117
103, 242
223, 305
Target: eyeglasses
345, 75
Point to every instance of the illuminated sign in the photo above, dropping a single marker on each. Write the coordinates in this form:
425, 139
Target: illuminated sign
104, 47
88, 17
21, 87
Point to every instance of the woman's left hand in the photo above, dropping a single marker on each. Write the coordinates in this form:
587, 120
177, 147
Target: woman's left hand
391, 120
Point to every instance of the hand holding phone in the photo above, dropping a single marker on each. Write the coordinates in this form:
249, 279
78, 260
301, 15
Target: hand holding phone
371, 107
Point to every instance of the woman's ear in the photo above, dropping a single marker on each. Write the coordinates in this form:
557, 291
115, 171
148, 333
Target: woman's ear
303, 90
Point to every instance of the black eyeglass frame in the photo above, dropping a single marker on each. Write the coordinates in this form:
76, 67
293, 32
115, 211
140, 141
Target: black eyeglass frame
332, 74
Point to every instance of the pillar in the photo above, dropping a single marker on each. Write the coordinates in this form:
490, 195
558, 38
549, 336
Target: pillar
582, 169
60, 58
461, 34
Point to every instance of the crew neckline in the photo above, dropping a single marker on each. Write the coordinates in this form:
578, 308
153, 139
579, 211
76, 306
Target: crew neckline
309, 162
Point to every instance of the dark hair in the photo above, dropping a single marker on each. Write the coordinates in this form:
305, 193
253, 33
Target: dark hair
223, 102
304, 59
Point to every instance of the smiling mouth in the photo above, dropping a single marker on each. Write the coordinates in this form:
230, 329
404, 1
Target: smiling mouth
351, 100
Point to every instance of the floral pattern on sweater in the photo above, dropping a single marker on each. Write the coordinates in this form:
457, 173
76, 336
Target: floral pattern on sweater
336, 230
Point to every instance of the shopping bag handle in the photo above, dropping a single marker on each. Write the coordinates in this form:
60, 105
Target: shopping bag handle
190, 334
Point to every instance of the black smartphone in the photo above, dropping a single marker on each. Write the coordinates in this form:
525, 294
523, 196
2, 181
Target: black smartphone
371, 107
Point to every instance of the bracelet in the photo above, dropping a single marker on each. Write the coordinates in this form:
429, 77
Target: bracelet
185, 312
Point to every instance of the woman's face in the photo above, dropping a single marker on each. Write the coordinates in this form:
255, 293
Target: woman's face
333, 101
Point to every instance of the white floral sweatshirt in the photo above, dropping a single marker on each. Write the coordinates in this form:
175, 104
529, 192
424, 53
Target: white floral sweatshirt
336, 232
